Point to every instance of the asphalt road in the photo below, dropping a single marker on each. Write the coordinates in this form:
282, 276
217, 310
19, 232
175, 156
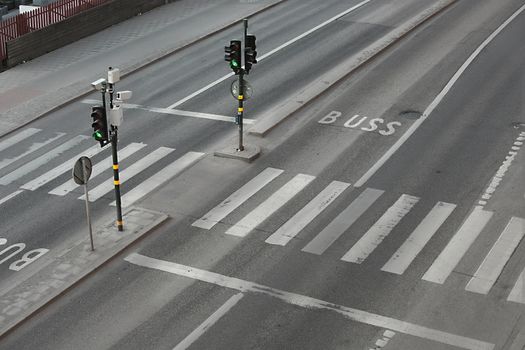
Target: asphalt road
326, 291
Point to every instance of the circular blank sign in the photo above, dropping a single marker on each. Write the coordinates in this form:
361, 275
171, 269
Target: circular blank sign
82, 170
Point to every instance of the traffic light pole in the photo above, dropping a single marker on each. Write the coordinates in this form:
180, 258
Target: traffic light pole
116, 179
240, 109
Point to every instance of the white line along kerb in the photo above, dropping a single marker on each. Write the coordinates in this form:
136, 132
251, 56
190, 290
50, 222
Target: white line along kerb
268, 54
434, 103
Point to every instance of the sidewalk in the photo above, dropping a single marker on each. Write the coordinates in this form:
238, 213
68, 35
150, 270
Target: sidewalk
35, 88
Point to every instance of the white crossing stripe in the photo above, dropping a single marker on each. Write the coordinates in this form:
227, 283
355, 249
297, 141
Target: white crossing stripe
270, 205
128, 173
342, 222
99, 168
59, 170
42, 160
304, 216
458, 246
34, 147
237, 198
404, 256
491, 267
160, 178
375, 235
22, 135
12, 195
517, 294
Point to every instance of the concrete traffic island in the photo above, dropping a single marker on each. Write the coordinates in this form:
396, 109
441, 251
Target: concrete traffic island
249, 154
69, 267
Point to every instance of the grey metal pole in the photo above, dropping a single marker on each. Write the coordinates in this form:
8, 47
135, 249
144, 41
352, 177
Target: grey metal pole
86, 192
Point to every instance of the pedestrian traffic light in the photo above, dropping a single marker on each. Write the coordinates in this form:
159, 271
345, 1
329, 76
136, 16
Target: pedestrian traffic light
100, 125
233, 55
250, 55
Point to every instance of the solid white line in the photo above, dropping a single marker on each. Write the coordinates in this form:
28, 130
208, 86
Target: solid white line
106, 164
12, 195
59, 170
161, 177
404, 256
310, 303
268, 54
237, 198
517, 294
309, 212
128, 173
179, 112
434, 103
382, 228
24, 134
34, 147
42, 160
458, 246
491, 267
342, 222
216, 316
270, 206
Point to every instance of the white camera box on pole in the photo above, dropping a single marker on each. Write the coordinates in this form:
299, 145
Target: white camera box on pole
113, 76
116, 115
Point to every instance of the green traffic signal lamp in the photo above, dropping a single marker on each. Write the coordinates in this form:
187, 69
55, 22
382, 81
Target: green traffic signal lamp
233, 55
100, 125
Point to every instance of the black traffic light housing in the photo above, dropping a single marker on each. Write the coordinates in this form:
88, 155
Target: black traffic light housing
250, 54
100, 125
233, 55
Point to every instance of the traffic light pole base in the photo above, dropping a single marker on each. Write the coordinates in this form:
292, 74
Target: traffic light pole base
250, 152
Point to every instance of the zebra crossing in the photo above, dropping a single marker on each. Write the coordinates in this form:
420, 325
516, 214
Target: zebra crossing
30, 153
481, 282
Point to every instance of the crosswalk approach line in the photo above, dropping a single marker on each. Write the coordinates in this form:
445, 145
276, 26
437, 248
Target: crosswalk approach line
59, 170
309, 212
128, 173
161, 177
456, 248
270, 205
237, 198
33, 148
42, 160
342, 222
103, 165
417, 240
500, 253
22, 135
517, 294
380, 230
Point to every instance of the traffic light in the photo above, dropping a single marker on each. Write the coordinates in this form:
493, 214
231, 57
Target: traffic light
233, 55
100, 125
250, 55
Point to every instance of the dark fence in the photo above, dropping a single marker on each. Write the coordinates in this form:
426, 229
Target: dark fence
42, 17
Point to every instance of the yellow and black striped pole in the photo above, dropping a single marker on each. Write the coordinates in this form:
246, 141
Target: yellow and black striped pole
116, 180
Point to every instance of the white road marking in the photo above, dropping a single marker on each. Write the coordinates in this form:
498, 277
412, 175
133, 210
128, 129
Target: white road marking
161, 177
517, 294
309, 212
352, 314
128, 173
22, 135
458, 246
382, 228
342, 222
404, 256
435, 102
59, 170
179, 112
237, 198
44, 159
12, 195
489, 271
34, 147
277, 49
210, 321
270, 206
106, 164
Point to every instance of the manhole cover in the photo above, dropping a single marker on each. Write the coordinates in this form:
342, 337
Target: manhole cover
413, 115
